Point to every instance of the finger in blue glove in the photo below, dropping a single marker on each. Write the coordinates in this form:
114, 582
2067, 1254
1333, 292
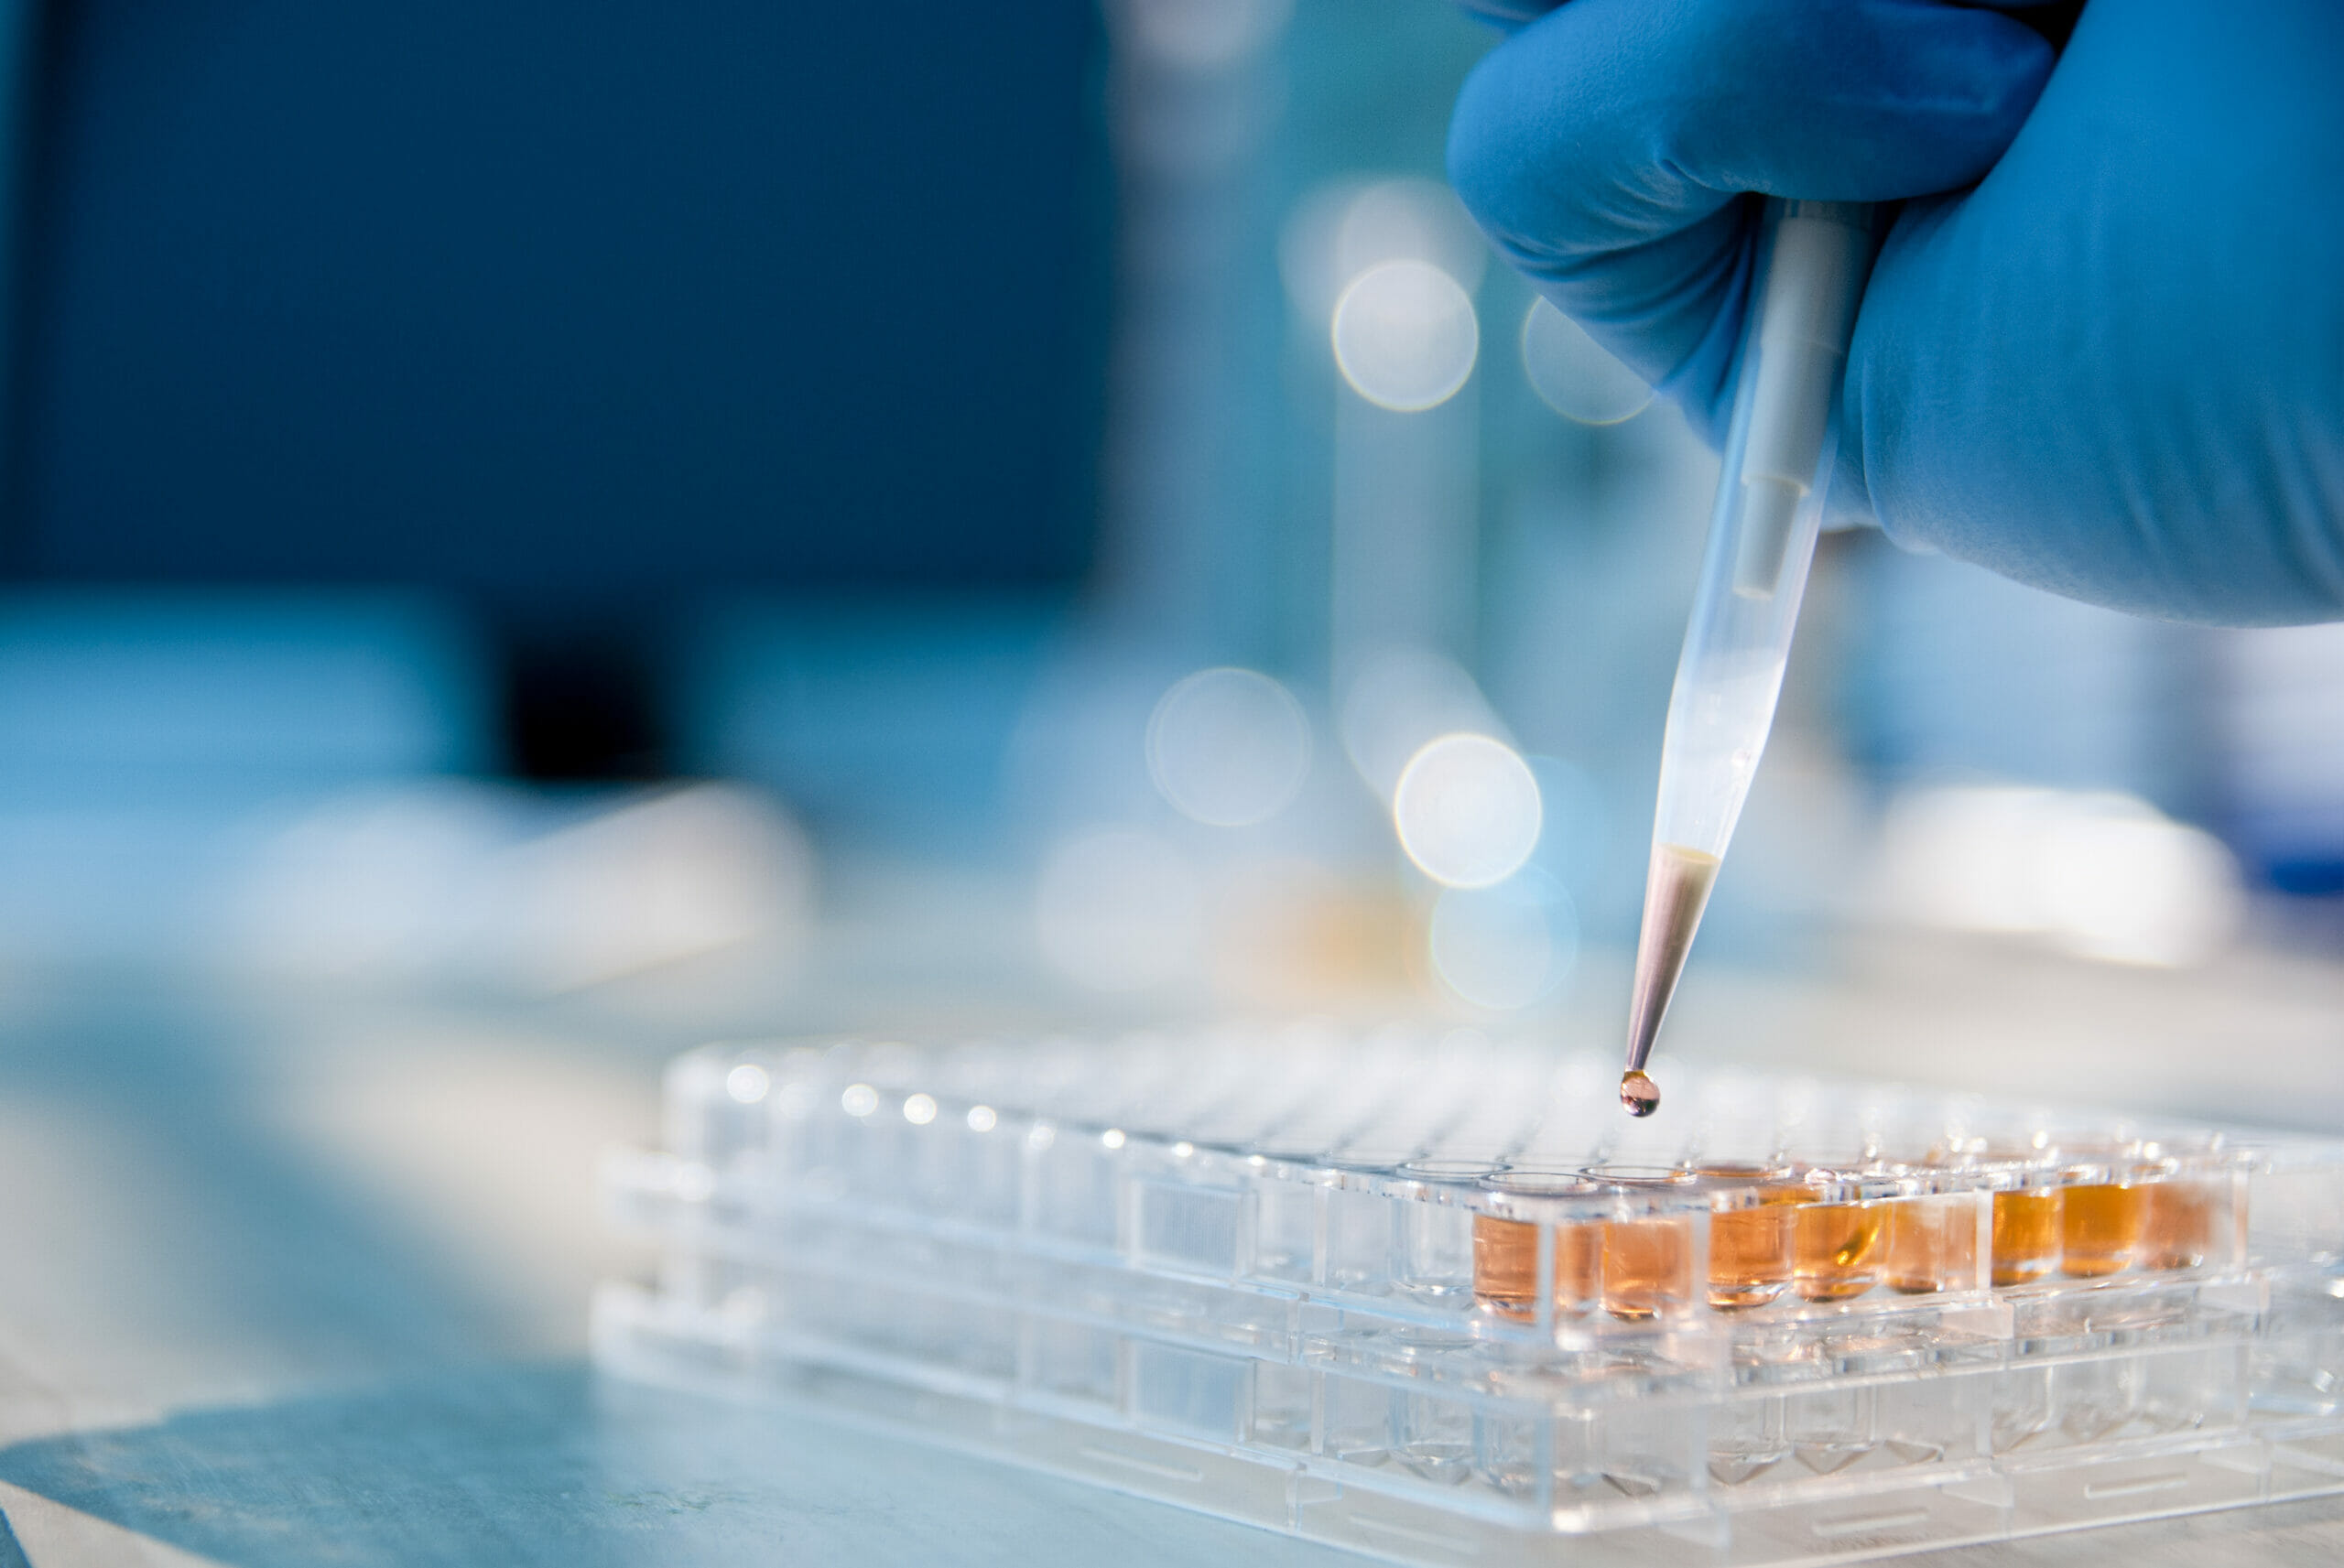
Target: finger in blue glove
2104, 350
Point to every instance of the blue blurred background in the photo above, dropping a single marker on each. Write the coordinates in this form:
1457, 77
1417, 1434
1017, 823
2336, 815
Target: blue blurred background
1051, 504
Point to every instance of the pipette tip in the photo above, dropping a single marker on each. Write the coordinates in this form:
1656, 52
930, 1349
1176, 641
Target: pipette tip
1638, 1093
1675, 892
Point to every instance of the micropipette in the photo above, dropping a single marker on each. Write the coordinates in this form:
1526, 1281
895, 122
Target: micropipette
1780, 447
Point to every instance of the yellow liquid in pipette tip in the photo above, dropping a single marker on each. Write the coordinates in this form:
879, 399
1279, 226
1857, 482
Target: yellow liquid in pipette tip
1639, 1093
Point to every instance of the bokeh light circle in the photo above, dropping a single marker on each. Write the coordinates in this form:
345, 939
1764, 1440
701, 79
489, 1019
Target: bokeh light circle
747, 1083
1406, 336
1347, 225
1228, 747
1400, 698
1574, 374
1466, 811
1409, 220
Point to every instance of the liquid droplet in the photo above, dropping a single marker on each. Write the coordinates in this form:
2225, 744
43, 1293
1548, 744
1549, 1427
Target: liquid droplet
1639, 1093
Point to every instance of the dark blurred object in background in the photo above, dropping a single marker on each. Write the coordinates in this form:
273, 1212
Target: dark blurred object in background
576, 310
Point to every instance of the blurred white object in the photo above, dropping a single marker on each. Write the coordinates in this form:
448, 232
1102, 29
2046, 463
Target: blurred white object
679, 875
370, 885
1188, 539
1574, 374
1200, 35
448, 880
1406, 336
1466, 811
1228, 747
1120, 911
1400, 265
2100, 875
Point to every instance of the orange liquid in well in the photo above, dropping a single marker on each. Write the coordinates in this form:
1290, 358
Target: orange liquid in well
1506, 1266
2177, 1224
2099, 1226
1931, 1245
1836, 1249
1750, 1247
1647, 1266
1750, 1254
2026, 1233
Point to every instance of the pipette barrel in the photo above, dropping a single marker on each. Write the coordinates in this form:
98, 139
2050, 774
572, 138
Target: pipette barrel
1780, 448
1806, 313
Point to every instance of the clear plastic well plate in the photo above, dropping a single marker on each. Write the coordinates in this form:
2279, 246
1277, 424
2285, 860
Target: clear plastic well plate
1433, 1297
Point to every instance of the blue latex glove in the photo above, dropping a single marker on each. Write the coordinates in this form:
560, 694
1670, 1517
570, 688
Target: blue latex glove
2105, 357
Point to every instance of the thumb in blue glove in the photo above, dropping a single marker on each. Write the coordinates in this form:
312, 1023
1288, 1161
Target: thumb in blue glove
2102, 350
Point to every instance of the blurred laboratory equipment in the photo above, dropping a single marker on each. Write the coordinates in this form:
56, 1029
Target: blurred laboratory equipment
1287, 620
290, 787
322, 298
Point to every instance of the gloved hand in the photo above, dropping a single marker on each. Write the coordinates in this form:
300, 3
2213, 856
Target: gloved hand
2102, 350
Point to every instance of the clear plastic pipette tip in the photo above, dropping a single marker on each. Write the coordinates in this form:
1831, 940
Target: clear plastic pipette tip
1777, 460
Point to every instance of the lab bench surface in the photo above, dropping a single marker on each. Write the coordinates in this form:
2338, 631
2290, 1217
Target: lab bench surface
300, 1280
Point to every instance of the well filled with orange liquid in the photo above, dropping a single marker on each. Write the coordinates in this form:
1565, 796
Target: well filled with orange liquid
1506, 1266
2177, 1220
1770, 1236
1931, 1245
1750, 1248
2099, 1226
2026, 1233
1647, 1266
1836, 1249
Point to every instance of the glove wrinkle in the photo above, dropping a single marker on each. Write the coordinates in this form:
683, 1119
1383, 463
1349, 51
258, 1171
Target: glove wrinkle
2102, 350
1609, 127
